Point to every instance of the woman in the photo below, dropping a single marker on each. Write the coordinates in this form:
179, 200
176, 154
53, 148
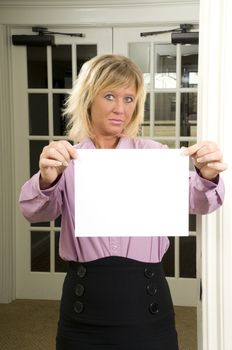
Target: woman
115, 295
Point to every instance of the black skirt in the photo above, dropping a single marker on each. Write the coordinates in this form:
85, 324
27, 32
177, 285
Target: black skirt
116, 303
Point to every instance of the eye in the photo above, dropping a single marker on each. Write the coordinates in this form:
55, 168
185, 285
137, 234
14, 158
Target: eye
129, 99
109, 97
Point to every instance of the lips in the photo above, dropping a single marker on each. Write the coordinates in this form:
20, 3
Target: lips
116, 121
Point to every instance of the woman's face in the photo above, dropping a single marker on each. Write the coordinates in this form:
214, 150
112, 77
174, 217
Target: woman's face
112, 110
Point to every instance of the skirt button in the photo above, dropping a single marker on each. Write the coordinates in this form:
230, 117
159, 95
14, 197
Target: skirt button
79, 290
78, 307
81, 271
148, 272
151, 289
154, 308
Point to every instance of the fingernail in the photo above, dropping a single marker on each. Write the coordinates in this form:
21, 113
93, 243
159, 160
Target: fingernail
65, 163
184, 151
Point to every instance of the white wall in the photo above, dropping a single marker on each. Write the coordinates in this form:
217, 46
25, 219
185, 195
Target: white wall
101, 13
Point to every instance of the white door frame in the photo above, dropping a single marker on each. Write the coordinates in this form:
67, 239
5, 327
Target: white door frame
215, 123
7, 180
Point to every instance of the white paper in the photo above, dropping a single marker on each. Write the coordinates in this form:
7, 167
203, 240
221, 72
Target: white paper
131, 192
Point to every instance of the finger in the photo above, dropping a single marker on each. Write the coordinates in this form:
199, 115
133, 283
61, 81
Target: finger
54, 154
201, 148
67, 150
208, 149
62, 148
209, 157
218, 166
189, 151
70, 149
45, 163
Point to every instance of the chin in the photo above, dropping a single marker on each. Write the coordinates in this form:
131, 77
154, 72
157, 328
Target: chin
114, 131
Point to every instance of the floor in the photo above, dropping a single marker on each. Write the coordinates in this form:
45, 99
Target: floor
31, 325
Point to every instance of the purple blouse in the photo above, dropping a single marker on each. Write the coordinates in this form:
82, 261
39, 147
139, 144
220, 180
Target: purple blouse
45, 205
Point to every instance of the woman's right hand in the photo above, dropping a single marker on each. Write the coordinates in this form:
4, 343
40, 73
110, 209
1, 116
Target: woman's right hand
53, 160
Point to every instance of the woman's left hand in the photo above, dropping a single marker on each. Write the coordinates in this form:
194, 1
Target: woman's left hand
207, 157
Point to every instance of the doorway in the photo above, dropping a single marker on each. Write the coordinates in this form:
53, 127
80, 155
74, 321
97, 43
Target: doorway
42, 78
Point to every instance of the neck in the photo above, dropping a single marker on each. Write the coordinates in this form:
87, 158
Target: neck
105, 142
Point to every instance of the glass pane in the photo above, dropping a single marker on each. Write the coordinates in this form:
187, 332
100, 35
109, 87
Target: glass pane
189, 66
140, 54
187, 143
192, 223
40, 224
165, 112
61, 66
145, 127
38, 114
169, 259
60, 265
169, 143
147, 109
35, 150
85, 53
37, 67
58, 222
188, 257
188, 122
144, 130
40, 251
192, 218
59, 122
165, 72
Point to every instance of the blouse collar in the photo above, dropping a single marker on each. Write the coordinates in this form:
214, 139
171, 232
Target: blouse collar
122, 143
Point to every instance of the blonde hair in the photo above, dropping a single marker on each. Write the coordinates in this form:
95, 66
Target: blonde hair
99, 73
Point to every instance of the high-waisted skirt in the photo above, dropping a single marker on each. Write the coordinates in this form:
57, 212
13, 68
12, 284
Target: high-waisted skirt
116, 303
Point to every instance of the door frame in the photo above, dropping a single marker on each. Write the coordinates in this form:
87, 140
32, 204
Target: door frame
46, 285
7, 178
214, 109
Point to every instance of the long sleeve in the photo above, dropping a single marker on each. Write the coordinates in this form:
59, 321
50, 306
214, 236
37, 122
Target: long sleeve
204, 196
37, 205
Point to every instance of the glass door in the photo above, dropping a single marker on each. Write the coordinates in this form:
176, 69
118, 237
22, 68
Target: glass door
42, 77
171, 77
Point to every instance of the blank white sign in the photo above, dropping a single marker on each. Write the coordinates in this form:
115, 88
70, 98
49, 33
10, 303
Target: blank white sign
131, 192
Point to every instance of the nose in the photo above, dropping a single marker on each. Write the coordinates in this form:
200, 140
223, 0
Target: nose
119, 106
